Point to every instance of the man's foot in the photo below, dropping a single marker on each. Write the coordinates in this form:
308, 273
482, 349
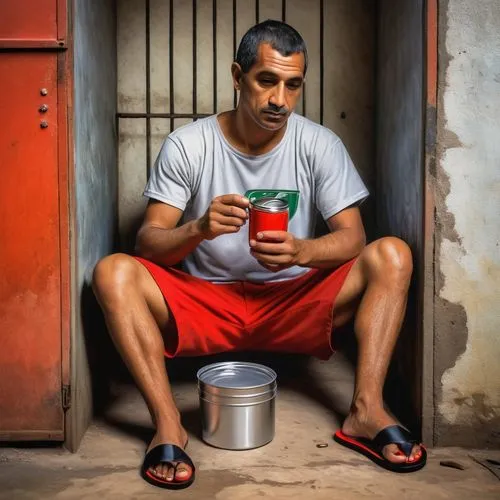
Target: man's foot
177, 471
367, 422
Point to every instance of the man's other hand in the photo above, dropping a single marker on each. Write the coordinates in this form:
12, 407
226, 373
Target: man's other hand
277, 250
226, 214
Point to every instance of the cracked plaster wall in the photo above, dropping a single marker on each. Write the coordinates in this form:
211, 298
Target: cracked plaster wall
467, 308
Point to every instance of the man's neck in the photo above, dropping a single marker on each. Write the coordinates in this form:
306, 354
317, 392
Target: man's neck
246, 136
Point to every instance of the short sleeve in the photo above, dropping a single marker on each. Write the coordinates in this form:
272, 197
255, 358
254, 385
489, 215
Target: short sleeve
170, 179
338, 183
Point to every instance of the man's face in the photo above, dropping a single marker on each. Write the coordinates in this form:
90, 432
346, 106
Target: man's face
269, 91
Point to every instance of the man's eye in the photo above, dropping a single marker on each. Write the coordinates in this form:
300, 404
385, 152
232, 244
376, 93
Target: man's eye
267, 82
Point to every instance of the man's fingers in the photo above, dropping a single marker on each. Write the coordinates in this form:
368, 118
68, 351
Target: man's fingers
224, 220
269, 248
221, 224
272, 235
233, 199
226, 214
227, 228
230, 210
277, 249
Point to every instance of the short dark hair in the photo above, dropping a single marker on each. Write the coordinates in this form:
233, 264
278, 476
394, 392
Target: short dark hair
281, 36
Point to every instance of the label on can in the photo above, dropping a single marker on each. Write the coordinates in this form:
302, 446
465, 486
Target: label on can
267, 214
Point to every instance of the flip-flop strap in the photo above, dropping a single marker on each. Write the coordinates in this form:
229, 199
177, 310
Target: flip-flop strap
395, 434
167, 453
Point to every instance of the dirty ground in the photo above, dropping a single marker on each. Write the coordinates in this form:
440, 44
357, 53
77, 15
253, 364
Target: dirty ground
292, 466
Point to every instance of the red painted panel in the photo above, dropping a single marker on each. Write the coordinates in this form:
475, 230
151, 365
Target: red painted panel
28, 19
432, 53
30, 268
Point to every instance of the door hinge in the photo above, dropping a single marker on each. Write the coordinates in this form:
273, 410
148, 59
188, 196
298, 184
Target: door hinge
66, 397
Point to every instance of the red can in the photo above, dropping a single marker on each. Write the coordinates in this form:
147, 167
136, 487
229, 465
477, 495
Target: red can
267, 214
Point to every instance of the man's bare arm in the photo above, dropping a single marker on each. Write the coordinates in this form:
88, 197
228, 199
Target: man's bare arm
158, 238
161, 241
345, 241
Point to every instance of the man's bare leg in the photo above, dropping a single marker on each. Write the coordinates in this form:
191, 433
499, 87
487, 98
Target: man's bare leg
375, 291
135, 312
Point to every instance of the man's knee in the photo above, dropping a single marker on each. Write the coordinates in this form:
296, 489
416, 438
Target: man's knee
112, 274
391, 257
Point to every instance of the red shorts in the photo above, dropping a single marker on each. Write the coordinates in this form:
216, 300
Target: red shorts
293, 316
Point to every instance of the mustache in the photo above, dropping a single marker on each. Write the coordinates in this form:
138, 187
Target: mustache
274, 109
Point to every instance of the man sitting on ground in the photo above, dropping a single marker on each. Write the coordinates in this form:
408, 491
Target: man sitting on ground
287, 291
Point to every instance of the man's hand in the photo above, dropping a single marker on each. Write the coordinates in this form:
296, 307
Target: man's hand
226, 214
277, 250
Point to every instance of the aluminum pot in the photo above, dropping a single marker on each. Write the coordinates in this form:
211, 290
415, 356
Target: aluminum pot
237, 402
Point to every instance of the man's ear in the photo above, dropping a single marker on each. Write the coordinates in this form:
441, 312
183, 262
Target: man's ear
237, 73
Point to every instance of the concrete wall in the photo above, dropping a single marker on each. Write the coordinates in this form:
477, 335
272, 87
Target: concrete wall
467, 317
349, 78
399, 143
95, 183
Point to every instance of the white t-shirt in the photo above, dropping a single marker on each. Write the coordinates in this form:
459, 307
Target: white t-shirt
196, 163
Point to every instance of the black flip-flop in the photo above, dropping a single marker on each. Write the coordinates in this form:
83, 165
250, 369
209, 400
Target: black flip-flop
166, 453
372, 448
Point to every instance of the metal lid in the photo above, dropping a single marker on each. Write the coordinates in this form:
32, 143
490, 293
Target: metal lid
236, 375
270, 204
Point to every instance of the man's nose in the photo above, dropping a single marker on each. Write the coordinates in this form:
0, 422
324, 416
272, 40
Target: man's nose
277, 97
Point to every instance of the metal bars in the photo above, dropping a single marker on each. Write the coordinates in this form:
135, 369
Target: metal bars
195, 59
321, 59
170, 61
171, 115
235, 96
214, 35
148, 87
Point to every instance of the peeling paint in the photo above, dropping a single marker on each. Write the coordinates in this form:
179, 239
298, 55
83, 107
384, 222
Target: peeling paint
467, 321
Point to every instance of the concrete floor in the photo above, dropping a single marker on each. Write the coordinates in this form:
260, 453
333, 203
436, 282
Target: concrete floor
290, 467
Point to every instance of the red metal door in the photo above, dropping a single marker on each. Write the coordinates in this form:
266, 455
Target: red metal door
30, 261
33, 23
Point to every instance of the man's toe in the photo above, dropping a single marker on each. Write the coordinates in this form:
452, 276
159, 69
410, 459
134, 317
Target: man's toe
394, 454
161, 471
182, 472
416, 453
167, 472
170, 472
